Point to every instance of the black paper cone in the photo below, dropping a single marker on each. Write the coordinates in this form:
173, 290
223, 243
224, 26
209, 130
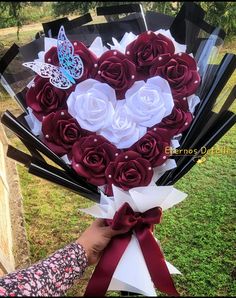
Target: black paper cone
21, 131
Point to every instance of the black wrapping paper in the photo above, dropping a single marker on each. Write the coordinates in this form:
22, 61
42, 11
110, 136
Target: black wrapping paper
55, 175
23, 133
225, 123
205, 119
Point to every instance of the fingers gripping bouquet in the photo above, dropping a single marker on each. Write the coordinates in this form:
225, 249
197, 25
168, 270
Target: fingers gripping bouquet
108, 114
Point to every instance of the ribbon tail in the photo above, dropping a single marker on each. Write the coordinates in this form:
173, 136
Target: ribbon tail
102, 275
155, 262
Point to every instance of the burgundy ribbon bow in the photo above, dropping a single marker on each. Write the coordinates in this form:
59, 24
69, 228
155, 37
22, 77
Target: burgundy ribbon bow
141, 223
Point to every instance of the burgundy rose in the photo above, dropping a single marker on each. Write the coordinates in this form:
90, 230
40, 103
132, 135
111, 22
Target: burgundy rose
88, 58
51, 56
61, 131
128, 170
116, 70
180, 70
177, 122
43, 98
182, 104
90, 157
152, 146
145, 48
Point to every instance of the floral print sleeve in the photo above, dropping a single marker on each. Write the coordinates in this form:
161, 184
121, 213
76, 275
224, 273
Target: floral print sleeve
51, 277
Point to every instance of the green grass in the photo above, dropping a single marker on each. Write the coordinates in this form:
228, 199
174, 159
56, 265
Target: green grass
197, 236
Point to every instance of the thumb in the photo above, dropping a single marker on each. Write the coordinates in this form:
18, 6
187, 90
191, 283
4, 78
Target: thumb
111, 232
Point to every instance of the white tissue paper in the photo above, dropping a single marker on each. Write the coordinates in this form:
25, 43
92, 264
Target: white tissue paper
132, 274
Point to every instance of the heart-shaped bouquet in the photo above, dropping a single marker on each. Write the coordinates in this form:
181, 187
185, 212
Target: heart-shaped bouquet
113, 113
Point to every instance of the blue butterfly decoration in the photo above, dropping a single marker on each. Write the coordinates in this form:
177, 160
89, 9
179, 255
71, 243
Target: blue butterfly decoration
71, 66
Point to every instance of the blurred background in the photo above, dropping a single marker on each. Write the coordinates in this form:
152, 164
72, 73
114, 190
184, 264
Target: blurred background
19, 14
198, 236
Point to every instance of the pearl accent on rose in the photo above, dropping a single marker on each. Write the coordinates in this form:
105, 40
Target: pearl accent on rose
126, 156
184, 98
149, 168
109, 176
164, 157
95, 140
95, 65
49, 59
75, 44
47, 136
128, 52
62, 113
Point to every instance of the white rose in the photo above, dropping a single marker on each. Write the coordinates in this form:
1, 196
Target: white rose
179, 48
92, 104
123, 131
149, 102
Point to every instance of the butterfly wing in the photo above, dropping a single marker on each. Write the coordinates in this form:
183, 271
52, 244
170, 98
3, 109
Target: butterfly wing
50, 71
71, 63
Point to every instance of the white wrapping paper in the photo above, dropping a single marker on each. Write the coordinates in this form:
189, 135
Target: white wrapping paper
132, 274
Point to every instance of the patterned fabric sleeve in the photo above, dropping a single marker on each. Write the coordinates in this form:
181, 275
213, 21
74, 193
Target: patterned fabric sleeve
51, 277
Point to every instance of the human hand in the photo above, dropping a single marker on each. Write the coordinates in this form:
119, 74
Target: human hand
95, 239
